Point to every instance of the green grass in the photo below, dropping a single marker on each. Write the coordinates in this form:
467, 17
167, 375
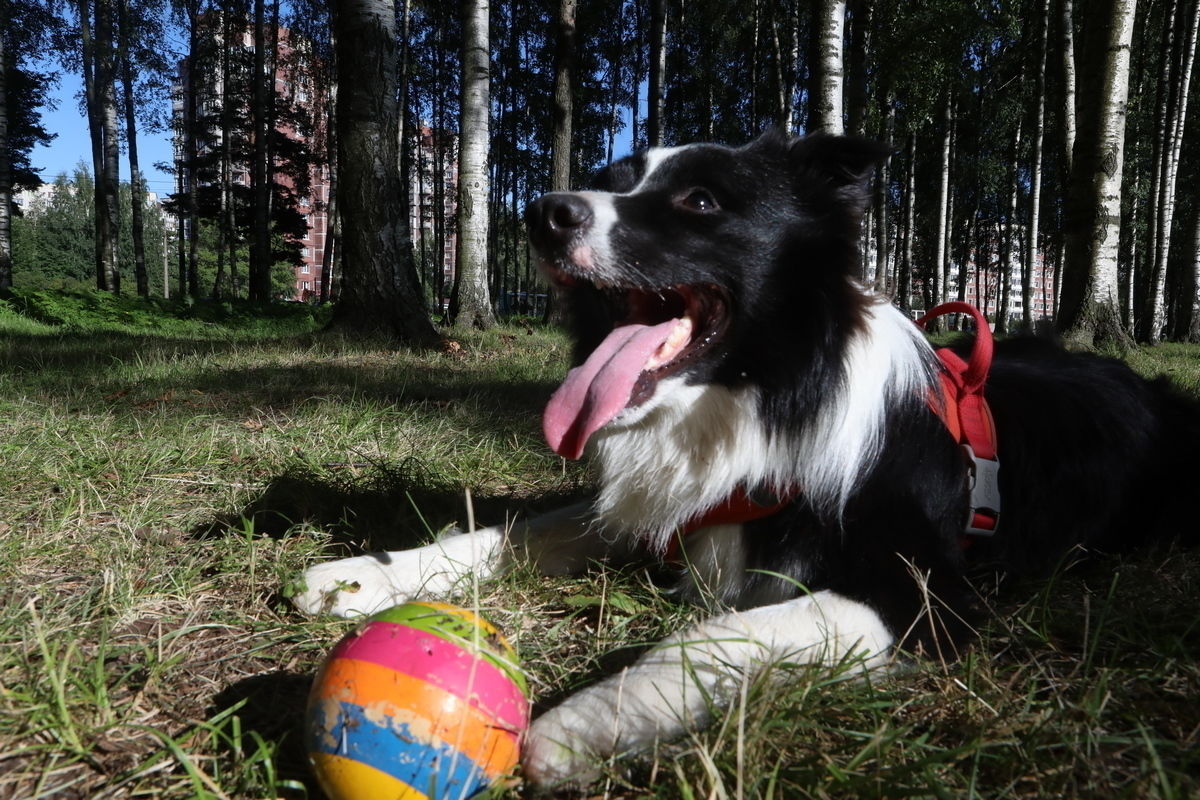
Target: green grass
161, 485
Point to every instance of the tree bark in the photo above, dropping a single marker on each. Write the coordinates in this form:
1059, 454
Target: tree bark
471, 305
564, 65
904, 268
861, 13
260, 171
940, 267
826, 78
1179, 59
6, 281
655, 104
100, 99
1067, 53
1091, 312
1035, 171
137, 189
379, 292
1008, 239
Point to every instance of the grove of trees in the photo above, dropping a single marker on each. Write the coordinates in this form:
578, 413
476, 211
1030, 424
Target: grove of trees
1027, 135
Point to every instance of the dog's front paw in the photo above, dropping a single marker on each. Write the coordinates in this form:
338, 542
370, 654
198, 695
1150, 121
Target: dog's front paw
557, 751
352, 587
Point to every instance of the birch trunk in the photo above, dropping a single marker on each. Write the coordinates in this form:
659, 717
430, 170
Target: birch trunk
826, 104
1008, 240
861, 12
5, 179
260, 174
1091, 314
378, 290
1067, 52
940, 269
137, 190
471, 305
655, 102
1178, 81
1192, 294
1035, 172
564, 64
904, 268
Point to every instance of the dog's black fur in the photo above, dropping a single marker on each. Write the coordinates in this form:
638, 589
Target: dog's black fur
766, 237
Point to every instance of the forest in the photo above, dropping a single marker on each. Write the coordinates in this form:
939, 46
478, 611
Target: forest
1038, 146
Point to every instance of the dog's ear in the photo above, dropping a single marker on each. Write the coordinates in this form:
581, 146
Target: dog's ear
845, 160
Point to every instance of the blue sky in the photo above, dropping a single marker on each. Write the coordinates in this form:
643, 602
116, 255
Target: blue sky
73, 143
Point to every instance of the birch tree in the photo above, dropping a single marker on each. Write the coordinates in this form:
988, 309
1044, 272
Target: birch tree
1090, 313
825, 92
379, 290
655, 101
96, 49
5, 162
564, 63
1035, 169
1178, 55
471, 304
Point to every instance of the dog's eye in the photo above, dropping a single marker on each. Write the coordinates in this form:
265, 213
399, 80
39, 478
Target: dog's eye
700, 200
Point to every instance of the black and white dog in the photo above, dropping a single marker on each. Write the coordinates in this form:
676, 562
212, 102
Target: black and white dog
725, 349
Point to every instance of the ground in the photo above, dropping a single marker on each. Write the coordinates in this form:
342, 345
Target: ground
161, 491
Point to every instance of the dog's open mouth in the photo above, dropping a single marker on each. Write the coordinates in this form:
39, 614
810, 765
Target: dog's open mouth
660, 332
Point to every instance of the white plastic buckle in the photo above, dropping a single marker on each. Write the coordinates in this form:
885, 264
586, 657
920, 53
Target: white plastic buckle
983, 477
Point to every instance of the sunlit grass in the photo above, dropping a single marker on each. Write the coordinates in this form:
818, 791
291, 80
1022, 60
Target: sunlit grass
160, 492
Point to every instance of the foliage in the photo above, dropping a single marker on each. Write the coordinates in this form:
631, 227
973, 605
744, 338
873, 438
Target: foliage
90, 311
53, 243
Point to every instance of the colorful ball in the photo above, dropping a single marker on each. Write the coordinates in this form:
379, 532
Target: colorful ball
424, 700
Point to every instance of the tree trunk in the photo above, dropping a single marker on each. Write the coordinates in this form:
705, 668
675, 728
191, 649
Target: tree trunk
1178, 58
1191, 299
1091, 312
379, 292
1008, 239
137, 189
260, 172
940, 268
564, 65
470, 304
1035, 172
861, 12
6, 281
100, 100
655, 101
1067, 53
826, 77
904, 268
881, 194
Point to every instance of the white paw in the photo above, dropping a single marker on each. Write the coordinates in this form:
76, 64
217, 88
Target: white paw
557, 753
352, 587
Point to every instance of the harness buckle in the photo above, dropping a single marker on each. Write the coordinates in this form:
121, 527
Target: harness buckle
983, 478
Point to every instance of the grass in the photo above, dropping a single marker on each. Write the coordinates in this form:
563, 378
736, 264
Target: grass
162, 484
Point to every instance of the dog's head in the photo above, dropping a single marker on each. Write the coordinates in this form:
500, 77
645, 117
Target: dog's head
706, 262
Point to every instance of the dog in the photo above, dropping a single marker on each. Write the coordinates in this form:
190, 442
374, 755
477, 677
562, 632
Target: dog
735, 380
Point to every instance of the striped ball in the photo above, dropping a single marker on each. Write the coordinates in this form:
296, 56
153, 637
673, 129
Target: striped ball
424, 700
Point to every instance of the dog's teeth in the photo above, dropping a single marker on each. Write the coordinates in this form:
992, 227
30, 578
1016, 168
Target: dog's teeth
680, 335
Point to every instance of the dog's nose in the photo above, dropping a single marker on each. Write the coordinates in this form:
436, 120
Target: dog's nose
557, 218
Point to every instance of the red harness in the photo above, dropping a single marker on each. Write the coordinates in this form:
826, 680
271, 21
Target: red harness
962, 408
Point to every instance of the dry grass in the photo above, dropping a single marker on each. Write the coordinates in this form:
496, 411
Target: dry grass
159, 494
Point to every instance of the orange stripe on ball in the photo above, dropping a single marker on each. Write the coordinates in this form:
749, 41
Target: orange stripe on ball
425, 708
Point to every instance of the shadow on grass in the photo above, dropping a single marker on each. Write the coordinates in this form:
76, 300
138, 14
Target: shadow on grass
271, 708
390, 508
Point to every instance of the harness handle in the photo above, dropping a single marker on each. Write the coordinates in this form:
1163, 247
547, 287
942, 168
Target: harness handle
981, 354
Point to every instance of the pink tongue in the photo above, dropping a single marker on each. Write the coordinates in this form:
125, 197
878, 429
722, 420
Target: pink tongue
597, 390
